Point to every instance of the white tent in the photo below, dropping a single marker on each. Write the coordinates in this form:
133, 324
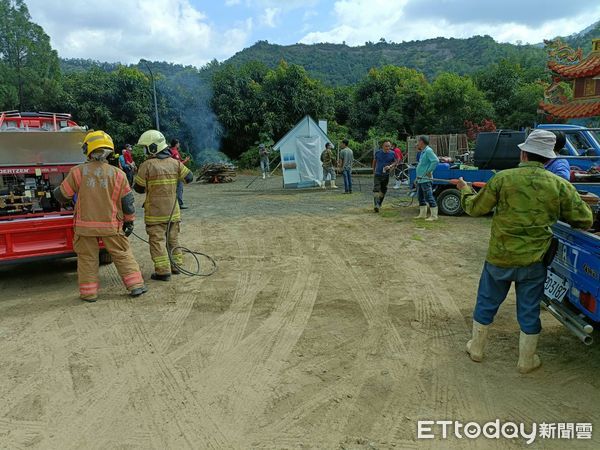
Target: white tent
300, 151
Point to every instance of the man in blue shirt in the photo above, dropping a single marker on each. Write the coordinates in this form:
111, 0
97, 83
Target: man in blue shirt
384, 161
428, 161
559, 166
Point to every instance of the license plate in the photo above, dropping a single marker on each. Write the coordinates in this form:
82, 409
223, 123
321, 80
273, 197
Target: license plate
555, 288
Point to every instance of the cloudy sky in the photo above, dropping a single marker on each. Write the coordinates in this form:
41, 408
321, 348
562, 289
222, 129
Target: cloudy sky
197, 31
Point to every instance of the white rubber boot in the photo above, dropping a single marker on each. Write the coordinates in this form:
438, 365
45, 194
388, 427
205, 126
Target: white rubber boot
333, 186
434, 214
323, 184
528, 360
397, 184
422, 212
264, 176
476, 344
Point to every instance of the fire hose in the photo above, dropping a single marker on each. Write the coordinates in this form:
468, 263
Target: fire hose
477, 184
185, 251
413, 192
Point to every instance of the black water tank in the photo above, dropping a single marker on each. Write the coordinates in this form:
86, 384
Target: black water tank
498, 150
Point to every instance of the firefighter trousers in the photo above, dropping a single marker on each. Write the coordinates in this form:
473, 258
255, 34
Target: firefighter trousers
87, 250
157, 237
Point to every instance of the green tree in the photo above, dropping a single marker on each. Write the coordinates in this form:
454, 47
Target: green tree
343, 102
451, 101
253, 103
238, 105
288, 94
118, 102
514, 89
525, 102
389, 99
498, 82
28, 65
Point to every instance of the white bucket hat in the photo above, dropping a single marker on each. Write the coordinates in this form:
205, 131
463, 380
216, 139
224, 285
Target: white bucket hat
540, 142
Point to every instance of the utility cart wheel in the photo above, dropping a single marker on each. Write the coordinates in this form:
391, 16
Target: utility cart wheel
105, 257
449, 202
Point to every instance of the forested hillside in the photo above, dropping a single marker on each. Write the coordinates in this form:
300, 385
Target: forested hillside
338, 64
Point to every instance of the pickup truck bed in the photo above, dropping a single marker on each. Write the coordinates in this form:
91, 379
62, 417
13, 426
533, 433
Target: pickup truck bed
577, 261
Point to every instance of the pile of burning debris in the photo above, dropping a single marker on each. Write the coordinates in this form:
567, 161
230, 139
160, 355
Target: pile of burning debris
216, 173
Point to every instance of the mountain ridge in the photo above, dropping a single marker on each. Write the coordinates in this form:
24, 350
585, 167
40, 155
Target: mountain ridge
340, 64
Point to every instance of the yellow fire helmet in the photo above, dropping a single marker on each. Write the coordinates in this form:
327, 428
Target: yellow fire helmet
154, 141
95, 140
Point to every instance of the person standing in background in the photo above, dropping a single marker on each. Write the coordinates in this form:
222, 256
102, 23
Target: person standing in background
427, 164
346, 160
126, 163
174, 149
263, 153
328, 161
384, 161
398, 170
559, 166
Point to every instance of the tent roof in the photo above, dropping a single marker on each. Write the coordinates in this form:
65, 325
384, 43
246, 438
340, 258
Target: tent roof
292, 132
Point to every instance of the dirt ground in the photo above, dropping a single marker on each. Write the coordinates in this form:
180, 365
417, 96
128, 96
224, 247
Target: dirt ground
326, 326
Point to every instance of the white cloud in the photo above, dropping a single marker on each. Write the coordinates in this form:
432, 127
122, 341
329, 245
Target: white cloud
270, 16
232, 2
358, 21
163, 30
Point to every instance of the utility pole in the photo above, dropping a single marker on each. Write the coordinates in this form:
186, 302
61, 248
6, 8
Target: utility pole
143, 61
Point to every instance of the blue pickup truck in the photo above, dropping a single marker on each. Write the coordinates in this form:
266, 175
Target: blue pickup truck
498, 150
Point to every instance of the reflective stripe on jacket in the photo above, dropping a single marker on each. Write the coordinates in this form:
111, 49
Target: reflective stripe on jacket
100, 188
160, 177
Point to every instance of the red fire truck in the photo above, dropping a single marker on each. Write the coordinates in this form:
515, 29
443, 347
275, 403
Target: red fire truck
37, 150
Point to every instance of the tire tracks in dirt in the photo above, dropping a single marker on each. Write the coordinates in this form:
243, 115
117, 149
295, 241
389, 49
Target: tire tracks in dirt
325, 403
387, 352
242, 380
185, 422
173, 321
453, 391
229, 326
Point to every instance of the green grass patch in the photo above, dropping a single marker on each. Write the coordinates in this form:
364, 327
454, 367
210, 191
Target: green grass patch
389, 214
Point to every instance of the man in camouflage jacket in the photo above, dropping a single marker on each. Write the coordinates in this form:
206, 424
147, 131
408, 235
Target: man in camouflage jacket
526, 202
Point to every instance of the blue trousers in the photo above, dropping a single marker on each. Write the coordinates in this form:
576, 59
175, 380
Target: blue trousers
347, 174
425, 193
494, 285
264, 165
180, 193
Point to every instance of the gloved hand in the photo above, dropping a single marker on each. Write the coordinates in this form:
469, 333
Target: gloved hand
127, 228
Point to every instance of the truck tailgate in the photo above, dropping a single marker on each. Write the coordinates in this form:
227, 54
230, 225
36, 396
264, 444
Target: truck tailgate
578, 261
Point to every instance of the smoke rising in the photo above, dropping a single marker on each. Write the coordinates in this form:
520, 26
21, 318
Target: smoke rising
187, 115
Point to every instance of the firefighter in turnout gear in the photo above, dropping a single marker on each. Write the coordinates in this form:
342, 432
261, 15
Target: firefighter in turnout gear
158, 177
104, 209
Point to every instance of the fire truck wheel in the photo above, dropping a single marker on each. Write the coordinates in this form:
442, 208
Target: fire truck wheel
105, 257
